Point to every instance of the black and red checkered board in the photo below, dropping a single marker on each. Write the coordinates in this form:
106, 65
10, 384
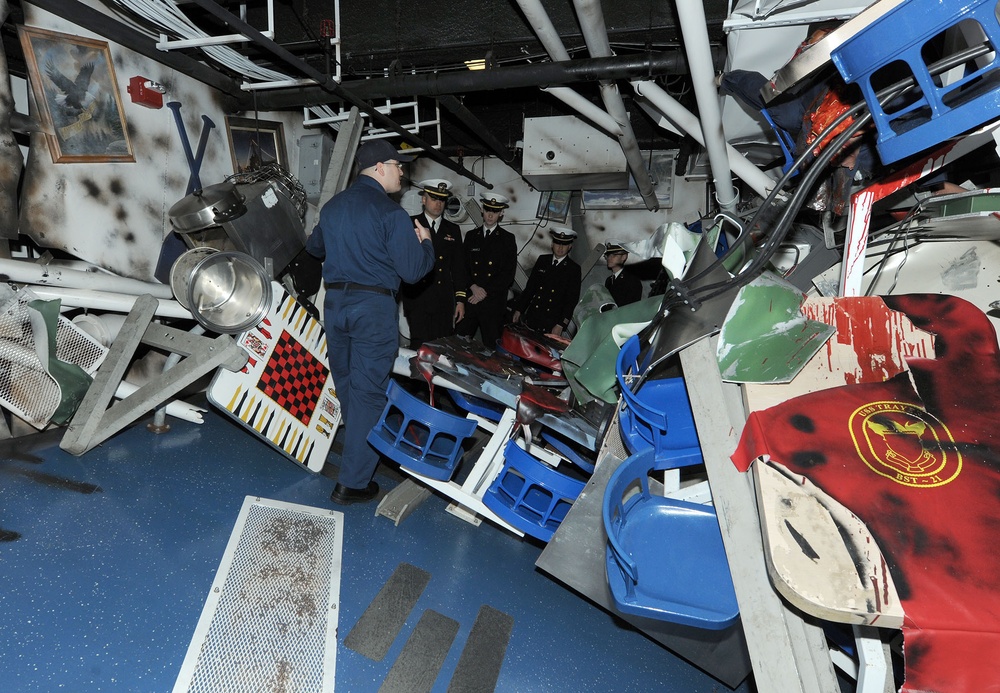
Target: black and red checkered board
285, 394
293, 378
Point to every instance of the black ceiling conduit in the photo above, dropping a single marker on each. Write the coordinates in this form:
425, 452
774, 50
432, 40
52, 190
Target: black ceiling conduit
547, 74
330, 85
122, 34
469, 119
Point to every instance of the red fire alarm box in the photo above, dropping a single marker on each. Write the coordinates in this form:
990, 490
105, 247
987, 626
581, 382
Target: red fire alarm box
146, 92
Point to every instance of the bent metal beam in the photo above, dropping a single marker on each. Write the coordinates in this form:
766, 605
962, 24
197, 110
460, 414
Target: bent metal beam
630, 67
330, 85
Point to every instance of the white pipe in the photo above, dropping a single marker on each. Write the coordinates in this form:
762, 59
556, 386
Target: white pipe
546, 32
56, 276
103, 327
630, 147
595, 34
176, 408
586, 108
699, 55
105, 300
687, 122
160, 415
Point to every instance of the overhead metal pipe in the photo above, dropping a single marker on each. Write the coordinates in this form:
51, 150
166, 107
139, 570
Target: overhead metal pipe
692, 22
544, 29
595, 34
632, 66
616, 121
330, 85
633, 155
122, 34
469, 119
685, 121
546, 32
587, 108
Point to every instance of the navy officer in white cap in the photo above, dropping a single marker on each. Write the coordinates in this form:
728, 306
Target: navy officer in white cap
491, 260
436, 303
625, 287
553, 289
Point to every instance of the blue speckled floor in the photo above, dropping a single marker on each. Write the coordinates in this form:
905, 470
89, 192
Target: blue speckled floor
107, 560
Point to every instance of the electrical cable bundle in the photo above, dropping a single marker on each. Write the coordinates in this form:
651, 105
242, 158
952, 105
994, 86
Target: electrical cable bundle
684, 292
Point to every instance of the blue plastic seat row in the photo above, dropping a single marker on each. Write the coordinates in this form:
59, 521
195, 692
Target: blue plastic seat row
665, 558
418, 436
658, 415
899, 44
527, 493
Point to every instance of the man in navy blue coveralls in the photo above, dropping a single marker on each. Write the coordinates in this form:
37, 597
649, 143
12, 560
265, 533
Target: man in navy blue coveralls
368, 244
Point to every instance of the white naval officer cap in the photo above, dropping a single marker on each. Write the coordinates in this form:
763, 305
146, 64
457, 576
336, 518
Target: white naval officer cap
561, 234
438, 188
494, 202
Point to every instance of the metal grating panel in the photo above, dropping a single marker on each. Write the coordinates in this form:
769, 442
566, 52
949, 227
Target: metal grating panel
270, 621
613, 442
26, 388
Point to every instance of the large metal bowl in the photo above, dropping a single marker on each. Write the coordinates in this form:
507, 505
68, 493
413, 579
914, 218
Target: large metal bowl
226, 291
207, 207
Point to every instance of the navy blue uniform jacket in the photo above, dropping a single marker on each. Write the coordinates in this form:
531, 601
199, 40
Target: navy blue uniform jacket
364, 237
624, 288
441, 288
491, 262
551, 294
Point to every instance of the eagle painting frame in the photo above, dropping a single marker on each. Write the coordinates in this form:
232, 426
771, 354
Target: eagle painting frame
250, 136
83, 115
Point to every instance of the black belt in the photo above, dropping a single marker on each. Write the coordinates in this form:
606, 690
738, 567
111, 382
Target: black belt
351, 286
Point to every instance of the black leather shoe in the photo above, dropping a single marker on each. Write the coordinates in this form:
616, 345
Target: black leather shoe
345, 495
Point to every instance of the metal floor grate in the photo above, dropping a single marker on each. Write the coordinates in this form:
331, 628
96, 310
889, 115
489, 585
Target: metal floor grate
270, 621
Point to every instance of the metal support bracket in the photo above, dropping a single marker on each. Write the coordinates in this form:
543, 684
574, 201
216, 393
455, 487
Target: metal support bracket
338, 171
401, 501
94, 422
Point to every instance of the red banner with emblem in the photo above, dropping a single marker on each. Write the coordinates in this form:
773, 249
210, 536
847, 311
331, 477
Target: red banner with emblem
917, 459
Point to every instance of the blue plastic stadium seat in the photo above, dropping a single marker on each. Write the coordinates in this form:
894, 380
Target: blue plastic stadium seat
476, 405
658, 415
893, 46
530, 495
569, 450
665, 558
419, 437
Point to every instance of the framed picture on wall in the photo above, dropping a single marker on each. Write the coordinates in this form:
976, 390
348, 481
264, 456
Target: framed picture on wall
661, 170
76, 94
254, 143
554, 205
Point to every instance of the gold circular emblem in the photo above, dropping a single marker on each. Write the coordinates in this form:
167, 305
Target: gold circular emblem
905, 443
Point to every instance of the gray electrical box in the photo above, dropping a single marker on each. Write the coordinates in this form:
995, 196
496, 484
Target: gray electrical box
565, 153
314, 159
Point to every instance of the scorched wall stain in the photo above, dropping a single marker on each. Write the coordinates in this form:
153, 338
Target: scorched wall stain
114, 215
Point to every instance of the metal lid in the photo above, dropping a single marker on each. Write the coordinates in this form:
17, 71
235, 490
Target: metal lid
207, 207
228, 292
